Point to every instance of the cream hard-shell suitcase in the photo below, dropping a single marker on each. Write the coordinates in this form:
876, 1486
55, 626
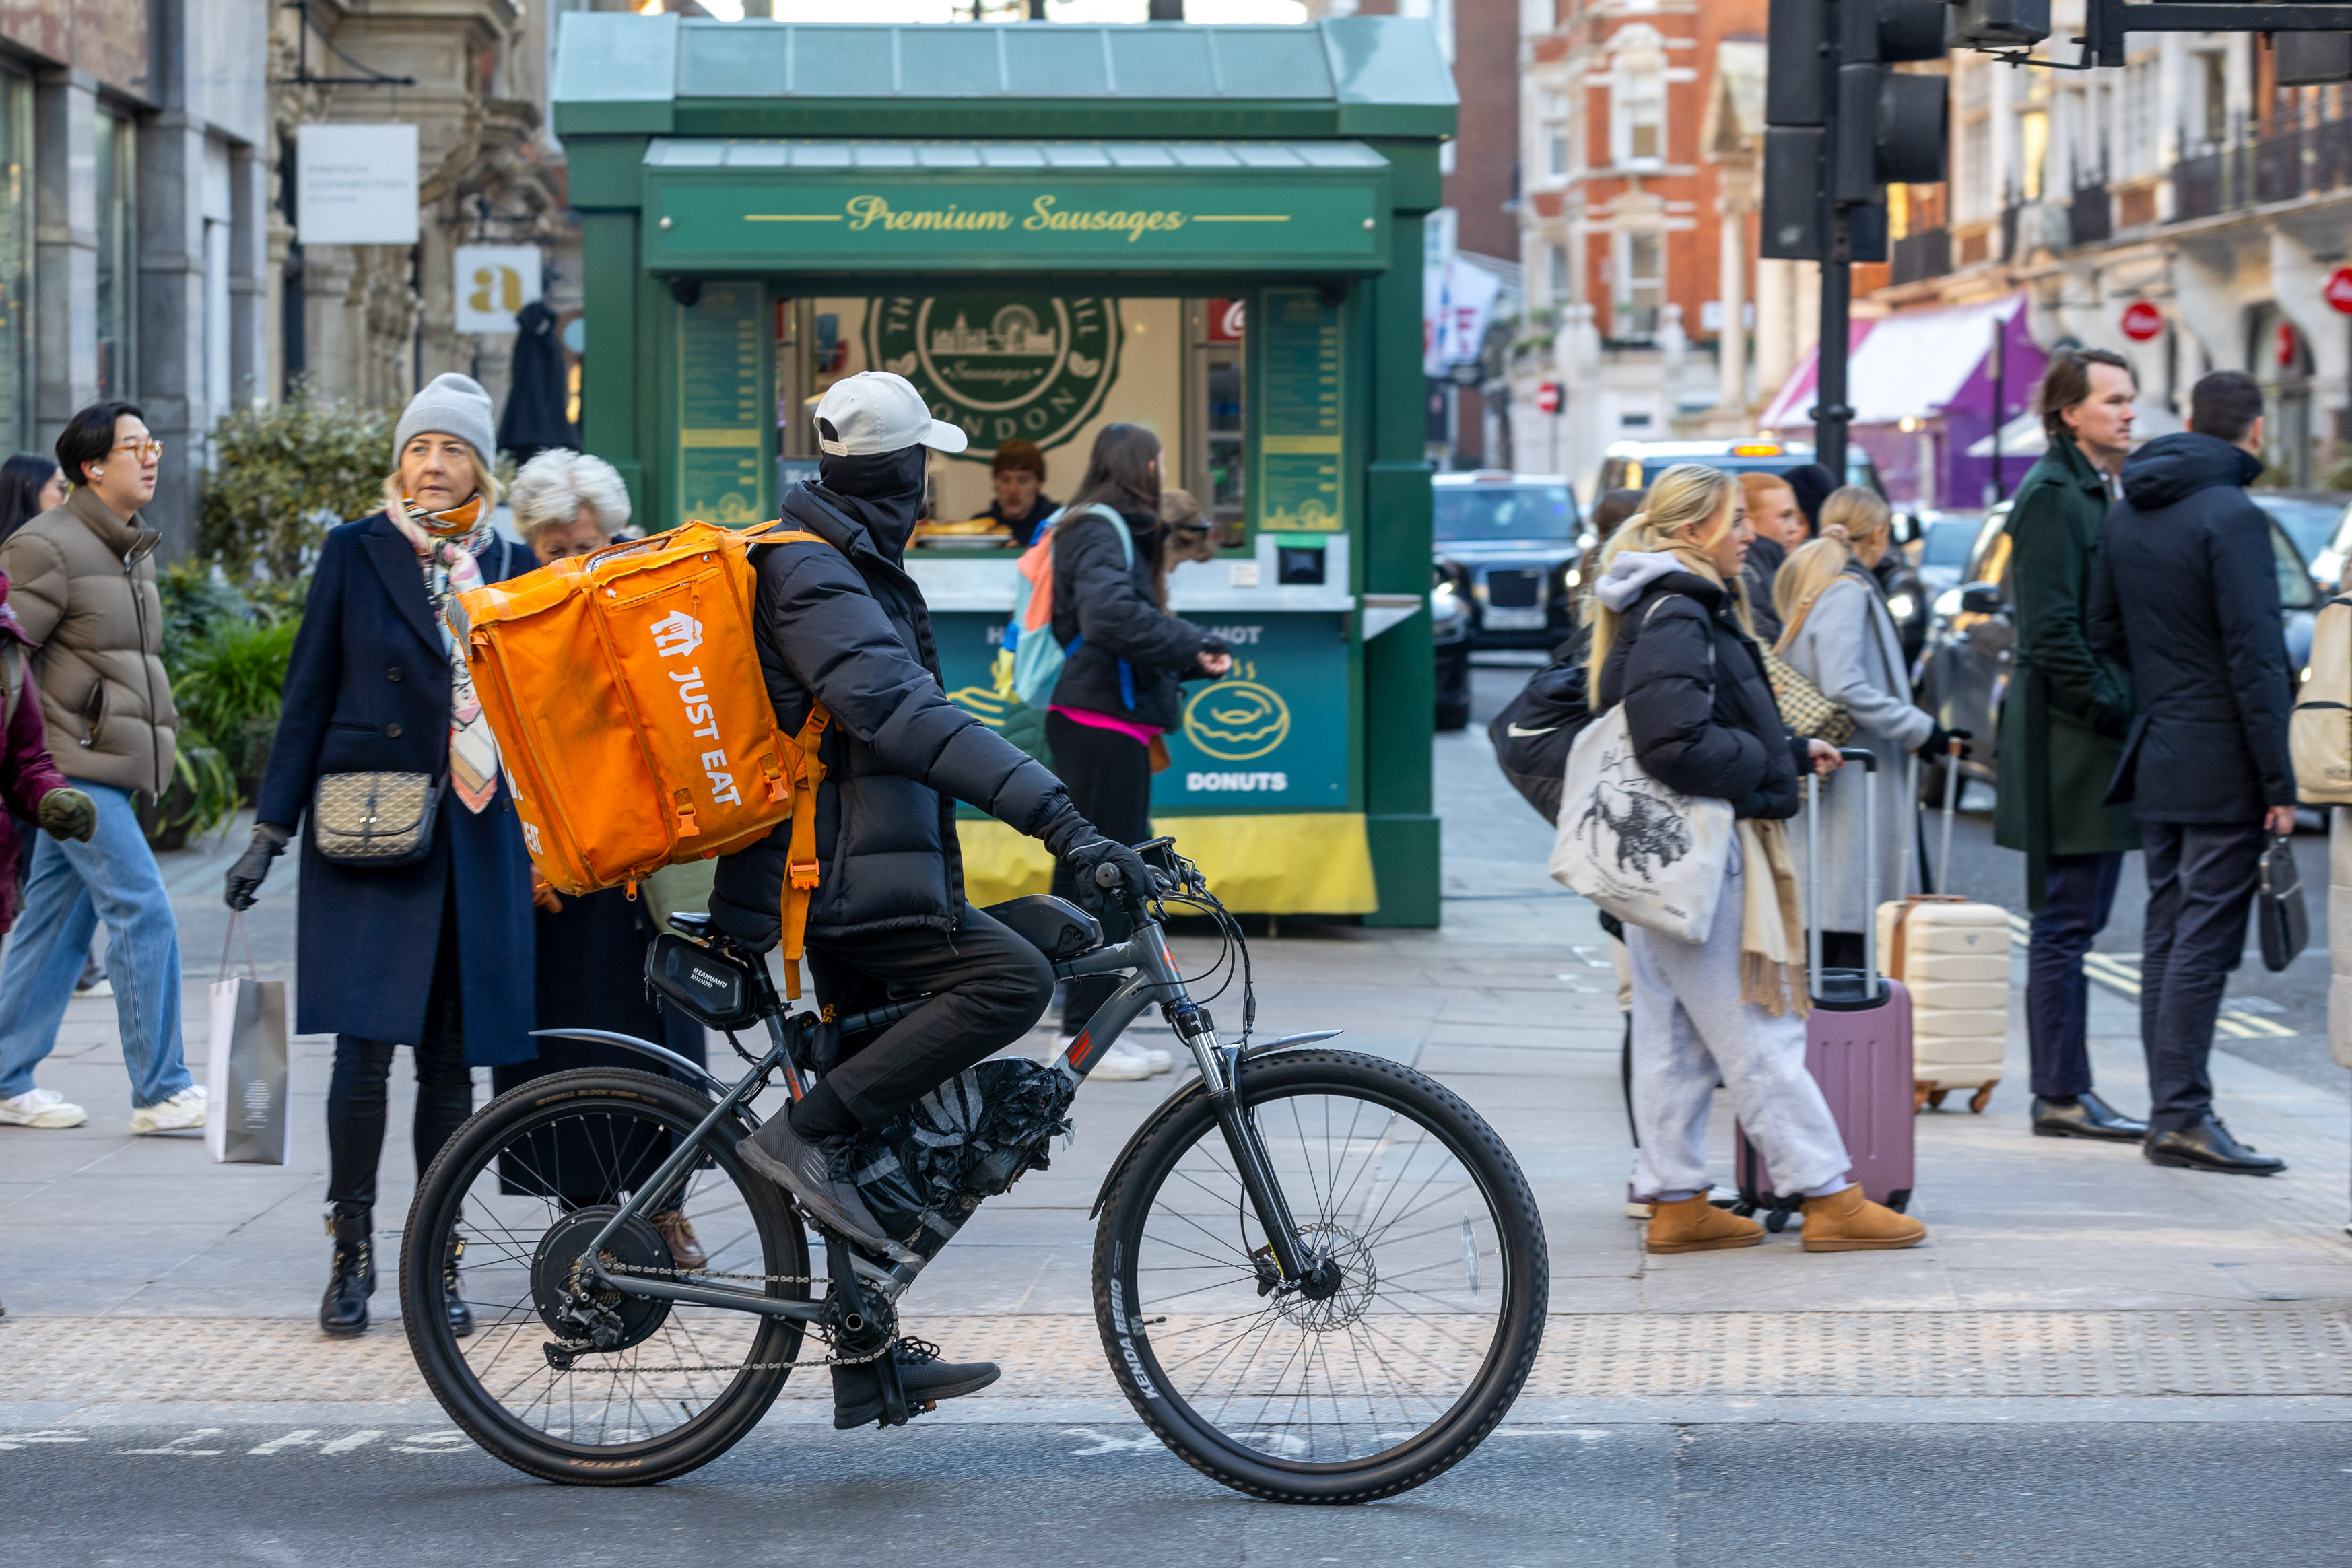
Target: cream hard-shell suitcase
1953, 957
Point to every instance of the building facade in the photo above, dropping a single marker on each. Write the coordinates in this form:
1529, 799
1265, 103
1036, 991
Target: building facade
1640, 129
2185, 211
131, 223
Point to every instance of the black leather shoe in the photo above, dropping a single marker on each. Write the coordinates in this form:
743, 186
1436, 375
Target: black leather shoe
857, 1392
461, 1316
351, 1279
818, 1174
2084, 1116
2208, 1146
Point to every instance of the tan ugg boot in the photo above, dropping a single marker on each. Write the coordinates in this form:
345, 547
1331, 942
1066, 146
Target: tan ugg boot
1695, 1225
1848, 1222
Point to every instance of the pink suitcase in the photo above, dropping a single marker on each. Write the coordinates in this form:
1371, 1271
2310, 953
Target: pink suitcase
1857, 1047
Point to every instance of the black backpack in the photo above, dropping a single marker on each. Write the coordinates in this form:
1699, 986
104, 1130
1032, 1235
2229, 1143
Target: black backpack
1534, 729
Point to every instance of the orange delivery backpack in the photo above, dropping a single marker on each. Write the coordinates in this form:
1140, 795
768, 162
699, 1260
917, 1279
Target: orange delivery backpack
632, 718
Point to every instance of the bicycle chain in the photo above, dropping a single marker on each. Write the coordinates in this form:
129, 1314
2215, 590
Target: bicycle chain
615, 1266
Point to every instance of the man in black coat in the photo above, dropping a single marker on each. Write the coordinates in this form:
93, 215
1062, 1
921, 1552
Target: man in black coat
841, 623
2187, 592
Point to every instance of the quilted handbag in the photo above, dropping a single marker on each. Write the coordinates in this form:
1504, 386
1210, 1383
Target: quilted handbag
376, 820
1802, 707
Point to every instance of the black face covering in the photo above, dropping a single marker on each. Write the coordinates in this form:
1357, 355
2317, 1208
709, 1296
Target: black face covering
883, 491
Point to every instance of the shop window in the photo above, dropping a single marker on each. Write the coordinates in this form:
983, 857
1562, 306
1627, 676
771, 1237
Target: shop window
2213, 79
1556, 272
15, 262
1641, 284
117, 256
1213, 465
1555, 135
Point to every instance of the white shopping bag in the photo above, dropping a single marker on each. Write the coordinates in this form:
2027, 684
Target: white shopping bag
245, 1119
1649, 855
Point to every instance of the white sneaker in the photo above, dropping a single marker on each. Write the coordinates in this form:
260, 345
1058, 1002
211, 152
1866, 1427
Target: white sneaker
181, 1112
41, 1108
1161, 1061
100, 988
1123, 1062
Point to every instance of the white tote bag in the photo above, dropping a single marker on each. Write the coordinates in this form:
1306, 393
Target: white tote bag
245, 1075
1649, 855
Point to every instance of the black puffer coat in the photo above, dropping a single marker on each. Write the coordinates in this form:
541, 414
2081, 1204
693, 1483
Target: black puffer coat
1100, 597
842, 624
2187, 593
1697, 700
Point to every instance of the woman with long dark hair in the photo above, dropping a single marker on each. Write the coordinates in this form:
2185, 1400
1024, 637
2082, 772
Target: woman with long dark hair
1119, 686
29, 485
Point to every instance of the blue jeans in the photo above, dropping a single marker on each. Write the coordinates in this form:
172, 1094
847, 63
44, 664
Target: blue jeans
70, 889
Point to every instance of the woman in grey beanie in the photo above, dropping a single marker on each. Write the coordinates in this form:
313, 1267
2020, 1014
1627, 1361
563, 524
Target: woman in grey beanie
436, 954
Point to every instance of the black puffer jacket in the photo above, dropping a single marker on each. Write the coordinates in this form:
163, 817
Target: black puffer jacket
842, 624
1100, 597
1697, 700
2187, 591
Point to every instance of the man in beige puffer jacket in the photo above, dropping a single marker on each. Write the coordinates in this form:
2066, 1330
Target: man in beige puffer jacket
82, 582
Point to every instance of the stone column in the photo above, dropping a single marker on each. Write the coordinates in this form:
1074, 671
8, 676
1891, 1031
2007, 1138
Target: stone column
253, 257
330, 346
64, 250
171, 317
2205, 300
2297, 276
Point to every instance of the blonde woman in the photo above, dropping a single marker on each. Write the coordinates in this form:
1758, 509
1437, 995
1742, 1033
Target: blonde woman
1837, 632
1670, 643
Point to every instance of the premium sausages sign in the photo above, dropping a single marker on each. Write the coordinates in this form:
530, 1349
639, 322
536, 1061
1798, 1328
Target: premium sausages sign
1000, 365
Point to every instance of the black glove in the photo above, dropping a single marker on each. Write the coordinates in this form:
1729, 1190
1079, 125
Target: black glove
244, 877
1939, 742
1072, 839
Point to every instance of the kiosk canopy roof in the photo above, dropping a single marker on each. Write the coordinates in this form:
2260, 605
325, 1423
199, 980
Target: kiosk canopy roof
619, 73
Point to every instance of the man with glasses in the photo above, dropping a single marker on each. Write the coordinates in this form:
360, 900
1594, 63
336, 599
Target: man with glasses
82, 582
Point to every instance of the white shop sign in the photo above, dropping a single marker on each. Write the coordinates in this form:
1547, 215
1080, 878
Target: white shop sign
355, 185
494, 281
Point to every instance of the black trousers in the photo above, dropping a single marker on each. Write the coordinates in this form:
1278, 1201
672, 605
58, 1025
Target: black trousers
988, 987
2078, 893
1109, 780
358, 1092
2200, 890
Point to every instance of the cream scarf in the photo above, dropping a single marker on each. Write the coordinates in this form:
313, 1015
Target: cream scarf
447, 545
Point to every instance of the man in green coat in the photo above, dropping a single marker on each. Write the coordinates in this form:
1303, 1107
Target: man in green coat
2062, 731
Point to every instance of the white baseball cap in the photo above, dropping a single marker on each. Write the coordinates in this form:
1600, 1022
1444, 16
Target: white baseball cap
874, 411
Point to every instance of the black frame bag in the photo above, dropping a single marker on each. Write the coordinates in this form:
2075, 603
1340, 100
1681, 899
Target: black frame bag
2279, 913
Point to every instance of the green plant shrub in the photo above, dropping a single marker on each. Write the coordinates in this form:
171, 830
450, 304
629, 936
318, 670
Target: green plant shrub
196, 599
283, 476
229, 688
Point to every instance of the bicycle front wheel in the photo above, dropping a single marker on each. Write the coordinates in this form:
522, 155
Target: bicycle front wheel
1401, 1368
517, 1196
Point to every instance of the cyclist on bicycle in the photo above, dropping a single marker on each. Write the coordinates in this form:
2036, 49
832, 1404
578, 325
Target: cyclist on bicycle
842, 624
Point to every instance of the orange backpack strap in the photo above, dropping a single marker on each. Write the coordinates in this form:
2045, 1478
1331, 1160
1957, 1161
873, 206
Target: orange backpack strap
800, 859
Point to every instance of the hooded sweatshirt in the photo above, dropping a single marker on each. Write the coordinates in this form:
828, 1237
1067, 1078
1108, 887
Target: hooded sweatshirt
2187, 594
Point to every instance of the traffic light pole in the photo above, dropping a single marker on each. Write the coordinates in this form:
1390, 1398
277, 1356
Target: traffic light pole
1831, 412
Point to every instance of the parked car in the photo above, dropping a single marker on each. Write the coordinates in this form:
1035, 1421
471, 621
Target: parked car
1449, 630
1946, 540
1964, 670
2319, 522
1630, 465
1506, 544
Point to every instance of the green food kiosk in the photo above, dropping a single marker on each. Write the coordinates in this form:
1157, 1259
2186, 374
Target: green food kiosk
1214, 231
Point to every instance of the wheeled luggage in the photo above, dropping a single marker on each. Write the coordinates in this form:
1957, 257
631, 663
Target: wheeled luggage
1952, 956
1857, 1045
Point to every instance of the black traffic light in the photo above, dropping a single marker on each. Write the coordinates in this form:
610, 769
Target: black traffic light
2312, 59
1997, 24
1793, 201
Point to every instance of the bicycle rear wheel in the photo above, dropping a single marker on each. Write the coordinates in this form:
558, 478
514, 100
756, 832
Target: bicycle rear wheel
1392, 1378
522, 1188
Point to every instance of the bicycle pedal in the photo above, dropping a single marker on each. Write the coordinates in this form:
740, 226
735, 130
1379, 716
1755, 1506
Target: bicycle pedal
927, 1406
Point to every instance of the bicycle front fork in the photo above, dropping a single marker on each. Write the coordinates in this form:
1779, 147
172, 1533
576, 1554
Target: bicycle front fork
1221, 1072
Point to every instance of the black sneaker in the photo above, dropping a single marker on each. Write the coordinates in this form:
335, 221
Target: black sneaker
818, 1174
926, 1379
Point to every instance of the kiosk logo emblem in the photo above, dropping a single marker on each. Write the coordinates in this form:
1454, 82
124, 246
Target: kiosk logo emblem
1234, 721
1000, 366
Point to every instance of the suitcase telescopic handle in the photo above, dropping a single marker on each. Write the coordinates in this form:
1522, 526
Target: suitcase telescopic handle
1869, 761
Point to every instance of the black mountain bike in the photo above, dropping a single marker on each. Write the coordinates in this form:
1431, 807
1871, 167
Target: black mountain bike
1318, 1275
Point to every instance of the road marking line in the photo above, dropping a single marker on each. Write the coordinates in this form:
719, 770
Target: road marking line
356, 1440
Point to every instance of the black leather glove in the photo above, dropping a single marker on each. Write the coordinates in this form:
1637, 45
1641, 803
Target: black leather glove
68, 814
245, 876
1072, 839
1939, 742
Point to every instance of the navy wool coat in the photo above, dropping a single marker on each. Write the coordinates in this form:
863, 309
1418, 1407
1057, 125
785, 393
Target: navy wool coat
367, 691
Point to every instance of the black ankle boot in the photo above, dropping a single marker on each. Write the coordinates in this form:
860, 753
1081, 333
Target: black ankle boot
461, 1316
342, 1310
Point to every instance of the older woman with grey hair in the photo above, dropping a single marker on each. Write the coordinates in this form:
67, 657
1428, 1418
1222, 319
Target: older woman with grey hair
568, 504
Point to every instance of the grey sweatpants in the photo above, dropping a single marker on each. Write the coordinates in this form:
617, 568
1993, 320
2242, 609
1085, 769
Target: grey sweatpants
1689, 1027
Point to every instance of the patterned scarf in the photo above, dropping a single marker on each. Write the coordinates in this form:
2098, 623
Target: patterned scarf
448, 545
